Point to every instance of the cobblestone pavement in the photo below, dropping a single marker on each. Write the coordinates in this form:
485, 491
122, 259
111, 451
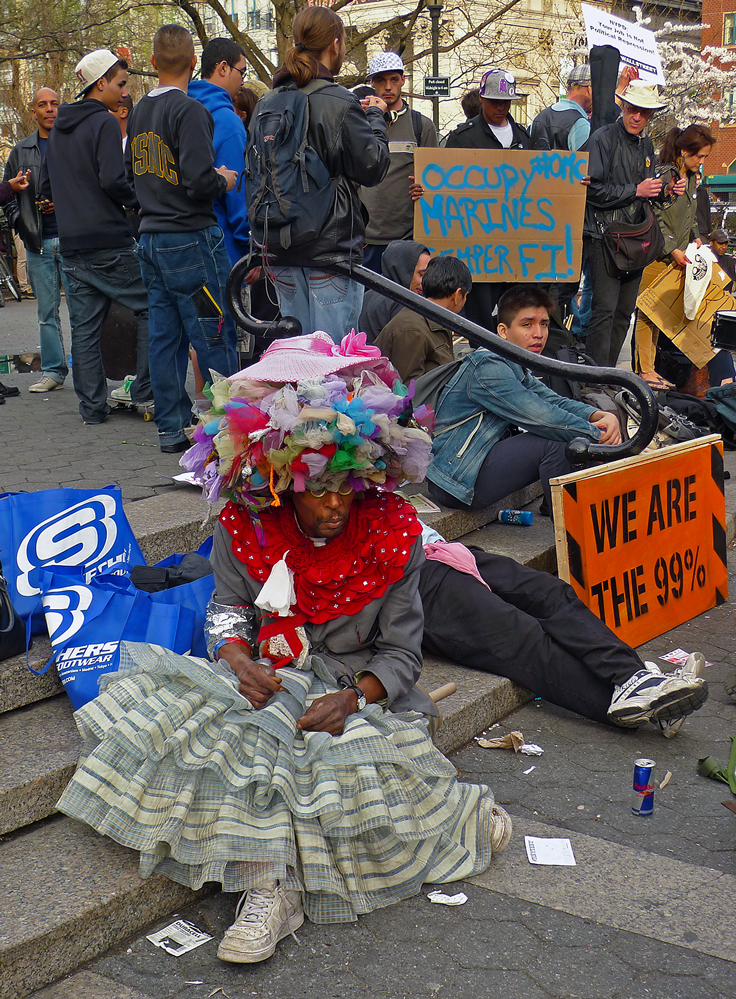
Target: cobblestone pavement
619, 935
45, 443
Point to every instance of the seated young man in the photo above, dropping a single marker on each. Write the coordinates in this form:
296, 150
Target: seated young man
498, 427
414, 344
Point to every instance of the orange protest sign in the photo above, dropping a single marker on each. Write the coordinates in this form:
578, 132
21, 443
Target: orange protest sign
643, 541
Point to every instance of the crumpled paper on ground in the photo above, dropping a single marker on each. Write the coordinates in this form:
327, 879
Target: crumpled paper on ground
515, 741
439, 897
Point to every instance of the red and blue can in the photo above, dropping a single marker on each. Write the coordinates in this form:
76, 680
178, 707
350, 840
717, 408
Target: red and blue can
643, 803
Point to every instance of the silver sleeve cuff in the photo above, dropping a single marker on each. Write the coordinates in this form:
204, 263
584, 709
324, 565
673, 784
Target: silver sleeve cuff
225, 621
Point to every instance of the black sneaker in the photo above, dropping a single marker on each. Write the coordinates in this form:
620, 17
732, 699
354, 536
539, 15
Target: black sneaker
176, 448
6, 391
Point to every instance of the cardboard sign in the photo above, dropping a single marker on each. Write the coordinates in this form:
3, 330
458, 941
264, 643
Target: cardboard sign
638, 47
643, 541
510, 214
663, 303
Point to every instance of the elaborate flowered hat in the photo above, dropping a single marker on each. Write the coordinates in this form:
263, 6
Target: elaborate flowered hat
308, 414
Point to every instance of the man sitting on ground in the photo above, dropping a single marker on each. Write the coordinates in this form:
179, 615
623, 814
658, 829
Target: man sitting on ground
414, 344
481, 452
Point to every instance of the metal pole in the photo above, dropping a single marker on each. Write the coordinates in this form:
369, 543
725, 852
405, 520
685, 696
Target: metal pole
435, 10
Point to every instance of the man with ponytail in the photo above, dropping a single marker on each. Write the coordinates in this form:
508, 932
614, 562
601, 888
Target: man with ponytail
349, 148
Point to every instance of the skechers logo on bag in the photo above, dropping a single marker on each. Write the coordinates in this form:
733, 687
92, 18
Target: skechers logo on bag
85, 657
80, 535
64, 610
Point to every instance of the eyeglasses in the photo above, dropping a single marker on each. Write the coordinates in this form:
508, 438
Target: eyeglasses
319, 491
238, 70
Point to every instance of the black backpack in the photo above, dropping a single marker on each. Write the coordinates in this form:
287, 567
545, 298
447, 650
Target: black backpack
288, 188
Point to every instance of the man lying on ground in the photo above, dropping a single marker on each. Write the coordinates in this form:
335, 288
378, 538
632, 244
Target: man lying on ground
490, 613
498, 427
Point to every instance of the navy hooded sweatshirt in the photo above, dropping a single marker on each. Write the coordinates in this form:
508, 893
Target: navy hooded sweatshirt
229, 144
83, 173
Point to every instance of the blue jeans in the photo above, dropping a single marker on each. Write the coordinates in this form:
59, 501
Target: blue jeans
46, 277
581, 313
96, 279
176, 266
319, 299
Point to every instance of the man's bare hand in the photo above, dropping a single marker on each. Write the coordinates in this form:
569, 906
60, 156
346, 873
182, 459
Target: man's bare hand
231, 176
680, 258
374, 102
21, 181
608, 426
586, 180
258, 682
328, 713
416, 191
649, 188
252, 276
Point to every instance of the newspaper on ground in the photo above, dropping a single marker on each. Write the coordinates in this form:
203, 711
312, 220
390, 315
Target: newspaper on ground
178, 938
549, 852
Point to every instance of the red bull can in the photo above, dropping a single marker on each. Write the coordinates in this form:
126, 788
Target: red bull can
643, 803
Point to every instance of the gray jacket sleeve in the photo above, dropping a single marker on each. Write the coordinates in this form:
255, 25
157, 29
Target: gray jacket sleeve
397, 659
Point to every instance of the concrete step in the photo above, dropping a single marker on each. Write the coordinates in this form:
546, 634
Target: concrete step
39, 749
18, 686
69, 895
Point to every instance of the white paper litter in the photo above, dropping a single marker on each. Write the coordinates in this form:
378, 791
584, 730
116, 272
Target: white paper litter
441, 899
178, 938
678, 657
188, 478
530, 770
550, 852
530, 749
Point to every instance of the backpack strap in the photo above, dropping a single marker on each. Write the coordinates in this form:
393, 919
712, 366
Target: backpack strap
416, 121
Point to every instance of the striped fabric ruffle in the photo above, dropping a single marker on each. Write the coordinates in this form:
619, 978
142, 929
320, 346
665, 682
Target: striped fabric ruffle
178, 765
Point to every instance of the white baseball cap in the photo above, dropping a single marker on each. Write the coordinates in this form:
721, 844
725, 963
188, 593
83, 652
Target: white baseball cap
93, 67
386, 62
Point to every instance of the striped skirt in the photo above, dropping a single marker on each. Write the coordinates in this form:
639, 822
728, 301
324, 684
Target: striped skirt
178, 765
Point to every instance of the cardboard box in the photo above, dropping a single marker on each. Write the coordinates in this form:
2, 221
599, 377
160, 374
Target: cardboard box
663, 303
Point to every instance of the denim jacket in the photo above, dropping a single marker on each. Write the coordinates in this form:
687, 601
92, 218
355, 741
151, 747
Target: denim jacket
486, 397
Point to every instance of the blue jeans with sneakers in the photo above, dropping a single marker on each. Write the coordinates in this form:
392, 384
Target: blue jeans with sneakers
319, 299
94, 280
46, 276
177, 267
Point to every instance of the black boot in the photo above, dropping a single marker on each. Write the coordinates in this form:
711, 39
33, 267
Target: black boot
8, 390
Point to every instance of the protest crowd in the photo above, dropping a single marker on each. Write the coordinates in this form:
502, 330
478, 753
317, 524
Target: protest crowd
292, 762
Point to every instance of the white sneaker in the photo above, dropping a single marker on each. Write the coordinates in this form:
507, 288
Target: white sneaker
694, 667
502, 829
45, 385
263, 917
650, 695
122, 393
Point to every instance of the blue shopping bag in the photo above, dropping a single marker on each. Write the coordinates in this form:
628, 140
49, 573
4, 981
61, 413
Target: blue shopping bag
83, 529
195, 595
87, 621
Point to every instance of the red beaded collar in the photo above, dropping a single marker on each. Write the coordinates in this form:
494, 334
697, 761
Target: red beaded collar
340, 577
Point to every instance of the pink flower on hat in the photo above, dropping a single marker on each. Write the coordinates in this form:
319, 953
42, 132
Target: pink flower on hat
354, 345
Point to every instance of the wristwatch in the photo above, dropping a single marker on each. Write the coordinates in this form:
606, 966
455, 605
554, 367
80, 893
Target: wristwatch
347, 683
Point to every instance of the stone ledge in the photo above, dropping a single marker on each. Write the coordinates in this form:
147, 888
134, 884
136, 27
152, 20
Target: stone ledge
98, 901
39, 749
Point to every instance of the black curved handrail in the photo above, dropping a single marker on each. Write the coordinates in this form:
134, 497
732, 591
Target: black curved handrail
580, 452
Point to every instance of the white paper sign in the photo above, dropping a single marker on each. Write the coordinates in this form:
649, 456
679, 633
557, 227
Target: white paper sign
550, 852
178, 938
637, 45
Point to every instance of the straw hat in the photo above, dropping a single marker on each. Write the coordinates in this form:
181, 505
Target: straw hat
642, 95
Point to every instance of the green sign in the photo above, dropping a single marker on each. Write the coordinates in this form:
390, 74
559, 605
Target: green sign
436, 86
